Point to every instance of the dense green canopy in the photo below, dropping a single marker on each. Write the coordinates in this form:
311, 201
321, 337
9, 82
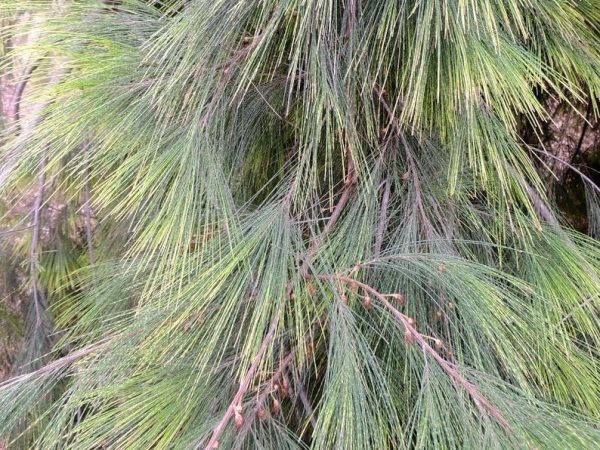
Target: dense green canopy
300, 224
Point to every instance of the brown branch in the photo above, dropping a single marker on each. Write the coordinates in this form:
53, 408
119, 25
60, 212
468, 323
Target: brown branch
57, 364
349, 184
34, 118
482, 403
352, 13
540, 206
280, 373
306, 402
538, 203
262, 398
19, 90
87, 208
412, 166
383, 219
213, 442
38, 297
586, 123
292, 152
569, 165
236, 403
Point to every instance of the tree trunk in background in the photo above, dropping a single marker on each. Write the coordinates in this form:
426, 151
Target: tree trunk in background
12, 309
573, 141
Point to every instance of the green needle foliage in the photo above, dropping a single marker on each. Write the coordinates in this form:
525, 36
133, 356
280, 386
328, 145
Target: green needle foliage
294, 224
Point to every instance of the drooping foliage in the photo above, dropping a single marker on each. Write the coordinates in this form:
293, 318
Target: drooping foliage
299, 224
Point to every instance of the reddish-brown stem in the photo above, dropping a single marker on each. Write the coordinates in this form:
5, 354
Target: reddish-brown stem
482, 403
244, 384
262, 398
349, 183
306, 402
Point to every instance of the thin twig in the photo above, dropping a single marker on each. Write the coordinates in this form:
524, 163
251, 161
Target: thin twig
19, 90
39, 301
34, 118
14, 230
87, 208
383, 219
352, 13
482, 403
213, 442
538, 203
540, 206
306, 402
349, 184
575, 309
584, 129
57, 364
261, 400
570, 166
412, 166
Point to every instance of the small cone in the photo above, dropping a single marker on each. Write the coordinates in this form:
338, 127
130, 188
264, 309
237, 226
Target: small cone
276, 406
238, 420
400, 298
261, 413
